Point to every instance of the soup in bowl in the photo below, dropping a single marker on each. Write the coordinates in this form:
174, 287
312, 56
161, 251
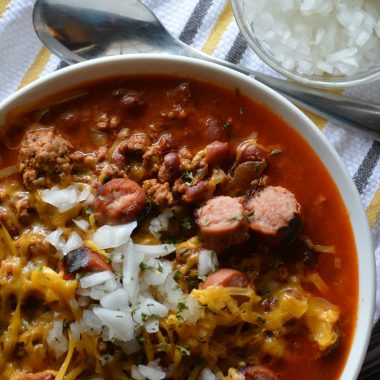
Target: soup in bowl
163, 217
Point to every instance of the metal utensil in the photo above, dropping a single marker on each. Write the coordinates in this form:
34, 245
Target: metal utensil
78, 30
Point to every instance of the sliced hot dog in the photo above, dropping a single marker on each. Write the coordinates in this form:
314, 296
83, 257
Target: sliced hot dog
119, 201
258, 372
222, 223
274, 212
227, 278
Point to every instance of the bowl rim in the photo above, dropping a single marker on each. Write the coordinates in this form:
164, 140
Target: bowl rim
106, 67
253, 42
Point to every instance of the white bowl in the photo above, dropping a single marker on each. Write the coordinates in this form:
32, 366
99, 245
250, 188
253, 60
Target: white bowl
140, 64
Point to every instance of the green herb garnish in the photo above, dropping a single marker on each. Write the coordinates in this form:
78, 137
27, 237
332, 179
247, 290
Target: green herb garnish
275, 151
186, 223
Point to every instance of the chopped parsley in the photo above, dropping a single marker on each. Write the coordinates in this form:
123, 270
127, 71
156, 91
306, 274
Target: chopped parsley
206, 222
186, 223
250, 215
226, 125
236, 217
181, 307
187, 177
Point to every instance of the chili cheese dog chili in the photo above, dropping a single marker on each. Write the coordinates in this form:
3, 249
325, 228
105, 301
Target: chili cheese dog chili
160, 228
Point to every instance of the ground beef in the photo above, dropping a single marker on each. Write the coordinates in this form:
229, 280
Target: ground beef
139, 142
44, 155
153, 157
159, 192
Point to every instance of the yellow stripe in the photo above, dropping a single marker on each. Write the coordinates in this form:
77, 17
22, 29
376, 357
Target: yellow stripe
3, 6
36, 68
218, 30
373, 210
320, 122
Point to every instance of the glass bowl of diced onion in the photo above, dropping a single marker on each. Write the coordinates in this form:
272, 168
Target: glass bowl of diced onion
327, 44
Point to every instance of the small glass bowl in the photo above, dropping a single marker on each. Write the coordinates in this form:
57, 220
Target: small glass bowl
241, 12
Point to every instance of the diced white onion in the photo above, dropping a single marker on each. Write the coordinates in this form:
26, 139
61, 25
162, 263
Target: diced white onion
57, 342
156, 271
96, 279
207, 374
151, 373
115, 300
148, 307
91, 322
55, 238
314, 37
152, 326
75, 329
82, 224
66, 198
157, 250
73, 242
160, 223
207, 262
119, 323
113, 236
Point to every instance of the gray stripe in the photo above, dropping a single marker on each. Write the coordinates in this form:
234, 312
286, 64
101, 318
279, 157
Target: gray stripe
191, 28
61, 65
366, 168
237, 50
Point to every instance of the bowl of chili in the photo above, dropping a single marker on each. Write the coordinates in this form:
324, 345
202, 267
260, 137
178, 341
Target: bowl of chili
243, 228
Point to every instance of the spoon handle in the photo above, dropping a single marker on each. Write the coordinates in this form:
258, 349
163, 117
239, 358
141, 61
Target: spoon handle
348, 112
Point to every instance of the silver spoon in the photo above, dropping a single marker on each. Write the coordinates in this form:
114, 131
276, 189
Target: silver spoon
78, 30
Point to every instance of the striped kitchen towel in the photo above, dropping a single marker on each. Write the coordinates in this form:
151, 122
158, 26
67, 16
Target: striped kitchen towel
207, 25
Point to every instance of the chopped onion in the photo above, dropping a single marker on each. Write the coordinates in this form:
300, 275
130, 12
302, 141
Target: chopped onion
151, 373
75, 329
316, 36
131, 268
152, 326
64, 199
115, 300
55, 238
96, 279
171, 292
155, 271
207, 374
160, 223
207, 262
82, 224
73, 242
119, 323
113, 236
148, 307
91, 322
136, 374
157, 250
56, 340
